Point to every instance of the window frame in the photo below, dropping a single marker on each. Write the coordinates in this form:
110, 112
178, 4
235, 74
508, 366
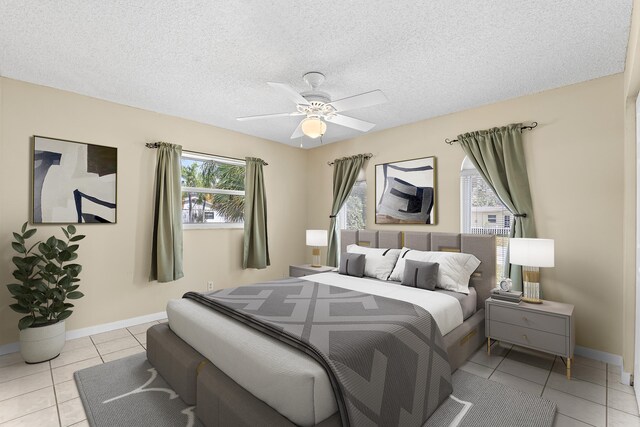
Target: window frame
467, 173
192, 155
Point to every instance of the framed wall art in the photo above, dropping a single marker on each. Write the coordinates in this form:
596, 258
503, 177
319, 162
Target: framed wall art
73, 182
406, 192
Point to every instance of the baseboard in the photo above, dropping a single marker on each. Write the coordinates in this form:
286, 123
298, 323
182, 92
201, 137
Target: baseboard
92, 330
603, 356
9, 348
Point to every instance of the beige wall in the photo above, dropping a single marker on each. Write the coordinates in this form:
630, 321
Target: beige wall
575, 159
631, 87
116, 257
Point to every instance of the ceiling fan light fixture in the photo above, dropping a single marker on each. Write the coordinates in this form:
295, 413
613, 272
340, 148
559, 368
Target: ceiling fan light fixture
313, 127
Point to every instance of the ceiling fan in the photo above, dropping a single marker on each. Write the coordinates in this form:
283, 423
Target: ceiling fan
319, 109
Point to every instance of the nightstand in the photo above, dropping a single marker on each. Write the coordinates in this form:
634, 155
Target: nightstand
548, 327
306, 269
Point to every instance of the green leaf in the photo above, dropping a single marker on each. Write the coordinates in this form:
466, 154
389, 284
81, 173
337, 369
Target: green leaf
57, 295
27, 234
73, 288
75, 295
42, 320
76, 238
24, 227
61, 244
41, 287
18, 247
25, 322
52, 242
18, 238
73, 256
72, 248
65, 255
19, 308
66, 233
17, 289
65, 282
64, 314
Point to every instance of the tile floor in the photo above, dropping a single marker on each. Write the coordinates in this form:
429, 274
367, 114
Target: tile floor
46, 395
593, 397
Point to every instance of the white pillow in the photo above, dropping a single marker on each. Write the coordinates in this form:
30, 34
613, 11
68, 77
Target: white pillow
378, 262
453, 274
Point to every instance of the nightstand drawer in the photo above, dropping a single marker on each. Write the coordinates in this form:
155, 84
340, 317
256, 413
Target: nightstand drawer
527, 337
298, 272
541, 321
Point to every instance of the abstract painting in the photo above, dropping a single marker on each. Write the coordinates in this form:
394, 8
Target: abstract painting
405, 192
73, 182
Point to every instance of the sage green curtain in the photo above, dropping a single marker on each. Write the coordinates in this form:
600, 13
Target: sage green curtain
345, 173
166, 252
256, 241
498, 154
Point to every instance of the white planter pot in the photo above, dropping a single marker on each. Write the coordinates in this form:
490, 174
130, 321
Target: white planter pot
42, 343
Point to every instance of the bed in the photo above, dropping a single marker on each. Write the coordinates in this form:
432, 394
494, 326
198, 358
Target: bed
237, 376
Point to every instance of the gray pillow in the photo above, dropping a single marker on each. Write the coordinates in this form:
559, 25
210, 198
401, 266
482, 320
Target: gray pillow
352, 264
421, 274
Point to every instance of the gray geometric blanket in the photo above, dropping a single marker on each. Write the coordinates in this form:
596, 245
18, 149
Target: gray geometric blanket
385, 358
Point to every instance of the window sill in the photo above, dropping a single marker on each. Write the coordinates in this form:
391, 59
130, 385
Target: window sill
230, 225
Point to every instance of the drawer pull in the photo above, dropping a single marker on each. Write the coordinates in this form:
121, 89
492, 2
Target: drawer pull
525, 319
525, 337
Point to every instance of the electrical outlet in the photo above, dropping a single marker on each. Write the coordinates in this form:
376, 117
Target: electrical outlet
209, 286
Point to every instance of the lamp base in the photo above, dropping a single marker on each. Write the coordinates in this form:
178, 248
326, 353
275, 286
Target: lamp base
315, 263
531, 285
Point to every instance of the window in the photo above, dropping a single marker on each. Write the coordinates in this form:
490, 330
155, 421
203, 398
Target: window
212, 191
483, 212
353, 215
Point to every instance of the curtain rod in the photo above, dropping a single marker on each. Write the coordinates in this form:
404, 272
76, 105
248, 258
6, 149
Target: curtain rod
157, 144
366, 156
533, 125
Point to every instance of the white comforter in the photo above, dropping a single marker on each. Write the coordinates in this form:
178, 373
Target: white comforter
286, 379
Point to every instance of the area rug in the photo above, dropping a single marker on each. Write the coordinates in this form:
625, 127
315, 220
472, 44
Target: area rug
129, 392
477, 402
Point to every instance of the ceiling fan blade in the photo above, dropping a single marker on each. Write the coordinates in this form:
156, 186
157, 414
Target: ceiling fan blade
268, 116
367, 99
298, 132
351, 122
290, 92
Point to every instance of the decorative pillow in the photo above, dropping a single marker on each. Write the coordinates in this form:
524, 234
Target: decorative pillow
378, 262
423, 275
398, 270
352, 264
453, 274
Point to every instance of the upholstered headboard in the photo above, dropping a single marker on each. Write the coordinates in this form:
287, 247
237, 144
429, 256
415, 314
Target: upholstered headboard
482, 246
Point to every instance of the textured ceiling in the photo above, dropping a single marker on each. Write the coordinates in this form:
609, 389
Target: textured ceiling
209, 61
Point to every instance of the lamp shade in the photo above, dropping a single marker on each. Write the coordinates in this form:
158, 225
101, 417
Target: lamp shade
532, 252
316, 238
313, 127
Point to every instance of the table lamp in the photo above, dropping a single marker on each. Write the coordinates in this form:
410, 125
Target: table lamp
316, 239
531, 254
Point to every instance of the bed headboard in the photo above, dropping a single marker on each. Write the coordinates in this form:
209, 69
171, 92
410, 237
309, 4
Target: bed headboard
482, 246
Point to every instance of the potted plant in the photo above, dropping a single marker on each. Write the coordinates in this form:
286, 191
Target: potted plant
47, 279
